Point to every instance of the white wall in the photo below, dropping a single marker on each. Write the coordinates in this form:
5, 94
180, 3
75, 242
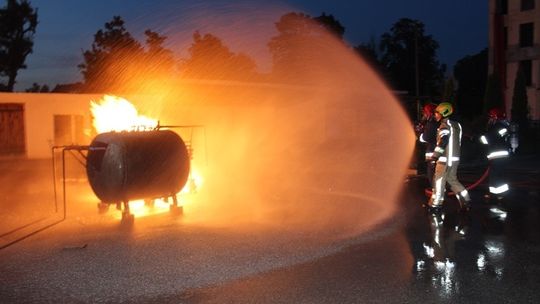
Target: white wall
39, 111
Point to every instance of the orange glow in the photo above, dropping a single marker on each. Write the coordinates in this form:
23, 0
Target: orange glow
313, 147
194, 182
113, 113
140, 208
312, 150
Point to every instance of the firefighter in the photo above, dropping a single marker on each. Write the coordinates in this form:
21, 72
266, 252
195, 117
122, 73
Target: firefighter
446, 158
497, 139
429, 137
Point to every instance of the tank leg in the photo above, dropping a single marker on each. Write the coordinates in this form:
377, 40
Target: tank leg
192, 186
102, 207
127, 217
149, 203
174, 208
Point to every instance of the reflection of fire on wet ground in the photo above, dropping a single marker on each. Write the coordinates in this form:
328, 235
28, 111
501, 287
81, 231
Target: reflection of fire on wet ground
26, 198
165, 254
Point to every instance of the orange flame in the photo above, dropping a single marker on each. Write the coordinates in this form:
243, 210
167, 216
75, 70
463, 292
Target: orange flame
194, 182
114, 113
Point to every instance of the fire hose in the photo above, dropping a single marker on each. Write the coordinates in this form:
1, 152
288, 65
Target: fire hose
428, 191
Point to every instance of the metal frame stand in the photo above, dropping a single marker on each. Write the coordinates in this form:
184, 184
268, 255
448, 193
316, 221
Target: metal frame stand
70, 148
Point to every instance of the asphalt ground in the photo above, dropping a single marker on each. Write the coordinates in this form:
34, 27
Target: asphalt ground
489, 255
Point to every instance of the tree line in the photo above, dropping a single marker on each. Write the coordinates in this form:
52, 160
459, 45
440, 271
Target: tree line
18, 22
405, 56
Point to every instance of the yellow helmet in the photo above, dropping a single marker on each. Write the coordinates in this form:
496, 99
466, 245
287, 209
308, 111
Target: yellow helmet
445, 109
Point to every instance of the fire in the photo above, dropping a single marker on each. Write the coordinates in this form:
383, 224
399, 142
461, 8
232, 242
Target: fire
114, 113
141, 208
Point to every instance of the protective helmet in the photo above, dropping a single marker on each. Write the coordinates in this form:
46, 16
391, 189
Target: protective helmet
445, 109
429, 109
496, 113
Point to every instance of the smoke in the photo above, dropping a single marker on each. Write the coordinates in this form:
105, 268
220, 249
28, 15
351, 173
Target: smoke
325, 152
320, 146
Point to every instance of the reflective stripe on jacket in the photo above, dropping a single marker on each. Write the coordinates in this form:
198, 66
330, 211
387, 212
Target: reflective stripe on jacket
429, 136
448, 142
497, 140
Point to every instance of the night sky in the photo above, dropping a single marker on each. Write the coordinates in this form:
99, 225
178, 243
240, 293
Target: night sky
66, 28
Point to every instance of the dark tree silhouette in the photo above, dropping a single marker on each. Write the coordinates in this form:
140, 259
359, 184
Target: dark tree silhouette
112, 61
369, 51
300, 47
470, 73
493, 97
449, 92
18, 22
119, 63
36, 88
159, 60
331, 24
211, 59
405, 42
287, 48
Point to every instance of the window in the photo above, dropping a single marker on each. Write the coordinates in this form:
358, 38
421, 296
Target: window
526, 67
68, 129
502, 7
526, 34
527, 5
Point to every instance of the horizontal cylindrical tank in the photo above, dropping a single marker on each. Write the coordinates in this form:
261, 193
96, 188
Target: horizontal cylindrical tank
124, 166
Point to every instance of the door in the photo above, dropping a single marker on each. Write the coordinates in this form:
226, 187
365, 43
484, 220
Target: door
12, 129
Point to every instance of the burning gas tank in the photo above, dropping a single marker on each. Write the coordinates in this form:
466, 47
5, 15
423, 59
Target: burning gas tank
124, 166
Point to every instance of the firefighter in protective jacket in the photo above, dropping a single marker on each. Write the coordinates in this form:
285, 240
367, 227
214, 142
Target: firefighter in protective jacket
429, 137
446, 156
497, 139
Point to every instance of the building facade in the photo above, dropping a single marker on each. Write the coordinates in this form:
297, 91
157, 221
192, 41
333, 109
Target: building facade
31, 124
514, 41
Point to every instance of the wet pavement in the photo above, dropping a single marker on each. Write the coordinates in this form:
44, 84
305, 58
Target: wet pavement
489, 255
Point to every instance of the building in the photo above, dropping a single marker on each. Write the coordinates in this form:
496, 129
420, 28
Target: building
31, 124
269, 118
514, 41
